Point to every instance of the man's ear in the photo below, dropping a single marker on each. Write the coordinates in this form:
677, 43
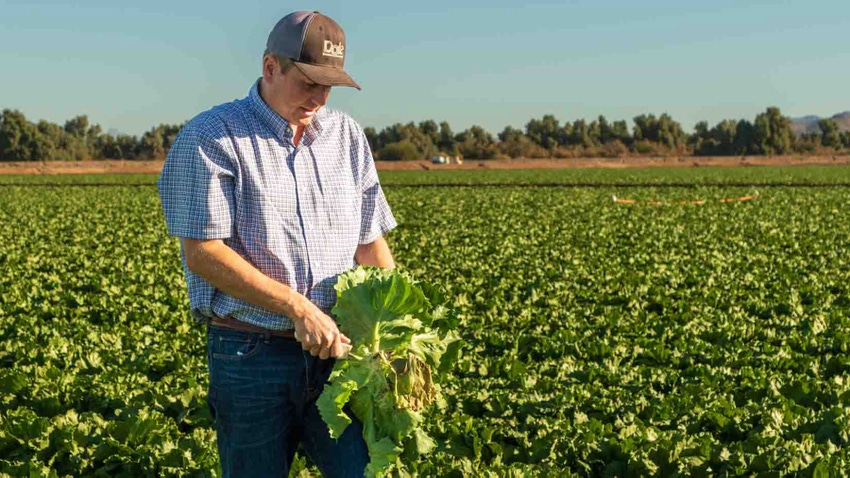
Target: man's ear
270, 67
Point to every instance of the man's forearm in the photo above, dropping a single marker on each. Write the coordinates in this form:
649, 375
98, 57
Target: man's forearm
229, 272
376, 254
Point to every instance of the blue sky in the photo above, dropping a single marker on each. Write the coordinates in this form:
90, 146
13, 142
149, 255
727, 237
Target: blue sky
492, 63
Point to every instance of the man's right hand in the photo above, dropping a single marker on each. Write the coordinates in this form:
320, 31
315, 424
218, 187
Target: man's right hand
320, 336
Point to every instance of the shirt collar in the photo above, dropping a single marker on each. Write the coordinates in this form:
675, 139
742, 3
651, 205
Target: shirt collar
280, 126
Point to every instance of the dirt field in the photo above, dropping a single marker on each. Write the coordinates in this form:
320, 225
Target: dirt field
124, 166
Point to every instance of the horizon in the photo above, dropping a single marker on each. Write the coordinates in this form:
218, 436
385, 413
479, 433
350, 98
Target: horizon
130, 69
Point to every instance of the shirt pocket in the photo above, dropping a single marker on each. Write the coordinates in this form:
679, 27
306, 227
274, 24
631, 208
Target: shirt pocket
342, 208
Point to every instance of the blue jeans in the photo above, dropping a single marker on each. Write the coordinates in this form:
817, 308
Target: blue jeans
262, 395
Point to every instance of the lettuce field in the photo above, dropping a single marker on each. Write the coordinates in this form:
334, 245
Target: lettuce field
600, 338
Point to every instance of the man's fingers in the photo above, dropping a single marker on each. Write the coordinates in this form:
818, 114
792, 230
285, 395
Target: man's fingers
320, 336
338, 348
326, 351
344, 350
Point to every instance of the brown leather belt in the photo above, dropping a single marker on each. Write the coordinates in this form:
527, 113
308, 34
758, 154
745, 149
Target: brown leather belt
234, 324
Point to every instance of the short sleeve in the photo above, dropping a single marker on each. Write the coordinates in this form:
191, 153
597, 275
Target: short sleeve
376, 217
196, 186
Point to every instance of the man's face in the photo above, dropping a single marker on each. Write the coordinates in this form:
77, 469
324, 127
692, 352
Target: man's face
292, 95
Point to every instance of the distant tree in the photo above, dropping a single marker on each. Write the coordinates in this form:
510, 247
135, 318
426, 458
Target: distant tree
153, 144
431, 130
545, 132
580, 134
52, 142
663, 130
106, 147
477, 143
510, 134
594, 134
773, 134
717, 141
390, 134
156, 142
745, 138
670, 132
372, 138
644, 127
808, 142
830, 133
409, 133
606, 131
725, 132
400, 150
845, 139
699, 137
620, 131
514, 144
77, 126
20, 140
447, 142
129, 146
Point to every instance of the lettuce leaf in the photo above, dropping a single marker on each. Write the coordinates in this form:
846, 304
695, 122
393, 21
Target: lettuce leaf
400, 333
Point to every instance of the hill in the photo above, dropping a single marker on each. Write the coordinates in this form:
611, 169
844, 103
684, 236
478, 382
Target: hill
809, 124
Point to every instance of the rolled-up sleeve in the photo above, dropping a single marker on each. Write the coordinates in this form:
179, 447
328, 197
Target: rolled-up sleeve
196, 186
376, 217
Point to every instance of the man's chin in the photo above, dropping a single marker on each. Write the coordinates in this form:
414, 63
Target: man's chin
305, 119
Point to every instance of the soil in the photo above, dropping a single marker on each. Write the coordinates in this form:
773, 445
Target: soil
155, 166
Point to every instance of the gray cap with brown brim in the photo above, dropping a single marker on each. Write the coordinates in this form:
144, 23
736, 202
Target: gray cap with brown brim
315, 43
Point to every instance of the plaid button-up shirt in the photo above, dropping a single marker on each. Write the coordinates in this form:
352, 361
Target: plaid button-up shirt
297, 213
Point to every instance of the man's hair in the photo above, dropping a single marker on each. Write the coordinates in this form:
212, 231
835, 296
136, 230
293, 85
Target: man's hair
285, 63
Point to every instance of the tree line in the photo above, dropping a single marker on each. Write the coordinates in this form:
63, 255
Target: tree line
77, 139
770, 133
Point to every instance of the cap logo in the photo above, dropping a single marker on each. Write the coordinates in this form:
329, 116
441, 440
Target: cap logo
332, 50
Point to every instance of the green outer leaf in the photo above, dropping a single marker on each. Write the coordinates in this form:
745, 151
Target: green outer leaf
331, 403
386, 315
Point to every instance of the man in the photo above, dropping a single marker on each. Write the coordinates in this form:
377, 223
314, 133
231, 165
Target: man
273, 196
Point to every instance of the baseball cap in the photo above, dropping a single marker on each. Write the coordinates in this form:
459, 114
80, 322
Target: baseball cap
316, 45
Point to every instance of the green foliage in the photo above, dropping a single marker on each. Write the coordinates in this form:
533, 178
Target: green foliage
515, 144
745, 138
545, 137
371, 138
446, 143
830, 134
406, 142
21, 140
773, 133
718, 141
399, 331
663, 130
580, 134
400, 150
101, 372
600, 338
477, 143
546, 132
845, 139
